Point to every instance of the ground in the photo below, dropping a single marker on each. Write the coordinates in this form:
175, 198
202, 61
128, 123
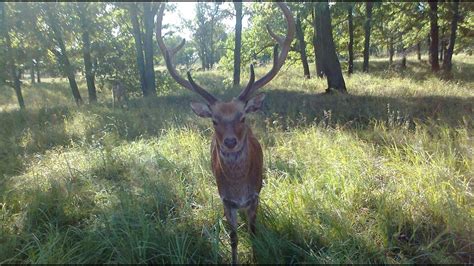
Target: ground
381, 175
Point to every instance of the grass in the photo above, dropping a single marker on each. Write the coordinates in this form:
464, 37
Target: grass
383, 175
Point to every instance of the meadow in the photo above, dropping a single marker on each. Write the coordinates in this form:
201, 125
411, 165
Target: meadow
383, 174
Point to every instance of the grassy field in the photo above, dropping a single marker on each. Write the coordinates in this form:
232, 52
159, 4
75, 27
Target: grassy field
382, 175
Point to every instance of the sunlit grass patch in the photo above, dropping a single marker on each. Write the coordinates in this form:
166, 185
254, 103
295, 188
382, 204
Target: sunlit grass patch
382, 175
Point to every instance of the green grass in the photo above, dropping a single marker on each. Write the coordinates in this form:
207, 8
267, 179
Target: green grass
382, 175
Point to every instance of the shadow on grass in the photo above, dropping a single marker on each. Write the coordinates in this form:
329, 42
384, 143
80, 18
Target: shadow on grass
32, 131
416, 70
358, 111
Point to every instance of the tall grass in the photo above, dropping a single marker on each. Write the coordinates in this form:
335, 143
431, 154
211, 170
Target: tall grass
383, 175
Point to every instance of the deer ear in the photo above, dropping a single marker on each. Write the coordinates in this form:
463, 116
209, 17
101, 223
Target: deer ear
201, 109
255, 103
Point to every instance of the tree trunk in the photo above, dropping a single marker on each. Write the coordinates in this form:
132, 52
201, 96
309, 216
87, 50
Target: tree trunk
368, 19
4, 31
86, 53
434, 36
447, 63
17, 86
302, 46
149, 14
428, 42
238, 42
404, 56
331, 65
69, 71
350, 46
137, 35
62, 55
318, 55
13, 72
32, 72
391, 51
37, 66
418, 51
442, 48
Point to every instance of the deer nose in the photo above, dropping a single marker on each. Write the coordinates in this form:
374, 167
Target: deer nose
230, 142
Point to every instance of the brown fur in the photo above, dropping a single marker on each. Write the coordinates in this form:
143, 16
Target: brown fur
242, 179
239, 180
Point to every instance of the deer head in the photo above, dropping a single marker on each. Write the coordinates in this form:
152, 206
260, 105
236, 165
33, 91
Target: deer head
228, 117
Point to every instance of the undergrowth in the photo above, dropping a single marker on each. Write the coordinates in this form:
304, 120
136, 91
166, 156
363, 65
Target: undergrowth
382, 175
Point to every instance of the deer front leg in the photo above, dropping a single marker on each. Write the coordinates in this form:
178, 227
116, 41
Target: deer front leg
252, 215
231, 216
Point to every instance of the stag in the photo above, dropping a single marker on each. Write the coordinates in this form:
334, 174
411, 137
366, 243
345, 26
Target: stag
236, 154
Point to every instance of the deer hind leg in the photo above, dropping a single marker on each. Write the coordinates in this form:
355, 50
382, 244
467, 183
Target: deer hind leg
231, 216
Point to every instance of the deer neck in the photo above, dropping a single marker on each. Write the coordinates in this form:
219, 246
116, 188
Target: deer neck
235, 165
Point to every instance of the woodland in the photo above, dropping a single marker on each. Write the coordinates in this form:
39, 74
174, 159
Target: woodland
367, 132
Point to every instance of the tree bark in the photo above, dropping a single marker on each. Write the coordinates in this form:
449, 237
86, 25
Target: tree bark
302, 47
418, 51
13, 73
62, 56
238, 42
32, 72
428, 42
137, 35
447, 63
442, 47
404, 56
86, 52
148, 16
17, 85
330, 62
434, 36
318, 56
368, 19
4, 30
391, 51
37, 66
350, 46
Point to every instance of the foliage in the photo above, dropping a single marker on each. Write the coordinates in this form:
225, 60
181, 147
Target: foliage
208, 32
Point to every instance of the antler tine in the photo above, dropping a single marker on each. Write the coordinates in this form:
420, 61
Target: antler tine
169, 54
274, 36
278, 60
249, 84
177, 48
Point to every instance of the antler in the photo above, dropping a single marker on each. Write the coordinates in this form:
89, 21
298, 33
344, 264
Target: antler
169, 54
278, 60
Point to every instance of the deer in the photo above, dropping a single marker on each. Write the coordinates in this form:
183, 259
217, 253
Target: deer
236, 154
119, 93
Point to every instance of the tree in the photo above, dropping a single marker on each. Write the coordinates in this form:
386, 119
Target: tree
368, 10
238, 42
350, 45
330, 63
302, 46
53, 39
418, 51
447, 63
14, 75
82, 10
137, 35
434, 35
208, 32
317, 46
149, 11
144, 47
